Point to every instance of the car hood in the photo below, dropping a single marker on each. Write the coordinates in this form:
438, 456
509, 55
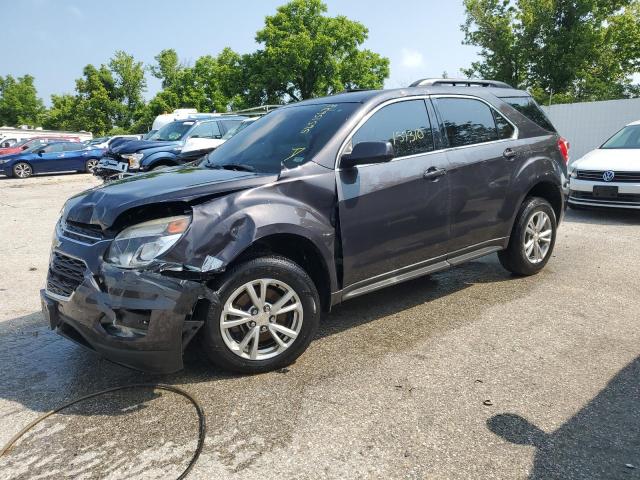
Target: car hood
621, 159
17, 155
101, 206
137, 145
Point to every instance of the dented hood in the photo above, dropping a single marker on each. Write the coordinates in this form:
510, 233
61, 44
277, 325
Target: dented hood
101, 206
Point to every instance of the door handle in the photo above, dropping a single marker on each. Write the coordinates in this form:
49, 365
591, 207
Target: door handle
434, 173
509, 154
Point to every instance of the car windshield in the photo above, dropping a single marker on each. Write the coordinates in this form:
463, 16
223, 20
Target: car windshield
172, 132
287, 137
628, 137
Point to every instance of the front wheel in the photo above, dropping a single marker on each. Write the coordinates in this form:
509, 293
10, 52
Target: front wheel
22, 170
268, 313
532, 239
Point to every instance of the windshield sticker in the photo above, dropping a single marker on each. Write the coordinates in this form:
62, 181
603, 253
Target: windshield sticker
317, 117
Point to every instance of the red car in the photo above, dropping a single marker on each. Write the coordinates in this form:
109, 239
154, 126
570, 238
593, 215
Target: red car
34, 142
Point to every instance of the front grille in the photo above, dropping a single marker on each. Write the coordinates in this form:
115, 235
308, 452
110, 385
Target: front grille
620, 177
89, 235
65, 274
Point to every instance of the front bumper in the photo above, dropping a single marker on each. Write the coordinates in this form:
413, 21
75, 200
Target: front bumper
581, 194
140, 319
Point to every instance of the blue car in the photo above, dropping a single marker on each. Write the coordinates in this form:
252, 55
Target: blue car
54, 157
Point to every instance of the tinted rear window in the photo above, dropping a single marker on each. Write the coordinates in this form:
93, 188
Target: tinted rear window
530, 109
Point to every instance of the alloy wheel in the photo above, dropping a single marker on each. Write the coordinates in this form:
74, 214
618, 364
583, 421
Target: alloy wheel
261, 319
22, 170
537, 237
91, 165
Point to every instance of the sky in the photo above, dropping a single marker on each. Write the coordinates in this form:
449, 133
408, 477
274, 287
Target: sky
54, 39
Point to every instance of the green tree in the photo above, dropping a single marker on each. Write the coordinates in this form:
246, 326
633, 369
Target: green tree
572, 49
128, 88
19, 102
307, 54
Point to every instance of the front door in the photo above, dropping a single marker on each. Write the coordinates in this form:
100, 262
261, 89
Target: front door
51, 158
391, 216
483, 154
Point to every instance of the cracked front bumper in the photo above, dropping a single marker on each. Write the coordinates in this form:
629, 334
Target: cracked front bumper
140, 319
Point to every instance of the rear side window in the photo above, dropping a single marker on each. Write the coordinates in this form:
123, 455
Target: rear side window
405, 124
70, 147
468, 122
530, 109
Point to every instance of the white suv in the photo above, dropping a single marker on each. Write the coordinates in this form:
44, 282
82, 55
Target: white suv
610, 175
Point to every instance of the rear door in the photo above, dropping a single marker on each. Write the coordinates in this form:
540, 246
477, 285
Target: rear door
74, 156
483, 153
391, 216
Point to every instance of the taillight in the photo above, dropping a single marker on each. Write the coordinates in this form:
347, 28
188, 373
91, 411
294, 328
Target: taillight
563, 146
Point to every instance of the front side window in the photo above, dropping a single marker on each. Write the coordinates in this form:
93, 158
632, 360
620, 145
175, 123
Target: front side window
287, 137
467, 121
206, 130
405, 124
628, 137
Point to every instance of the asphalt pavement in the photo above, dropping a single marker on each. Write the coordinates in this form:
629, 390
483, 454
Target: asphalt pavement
469, 373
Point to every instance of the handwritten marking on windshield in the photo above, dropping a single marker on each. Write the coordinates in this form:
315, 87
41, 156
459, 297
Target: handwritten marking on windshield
317, 117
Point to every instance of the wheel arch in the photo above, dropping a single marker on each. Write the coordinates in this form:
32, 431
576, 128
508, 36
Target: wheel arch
164, 159
298, 249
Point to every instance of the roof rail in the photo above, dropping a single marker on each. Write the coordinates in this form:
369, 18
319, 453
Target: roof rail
459, 82
253, 111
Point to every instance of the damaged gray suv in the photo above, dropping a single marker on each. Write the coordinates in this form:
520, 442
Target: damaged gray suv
316, 203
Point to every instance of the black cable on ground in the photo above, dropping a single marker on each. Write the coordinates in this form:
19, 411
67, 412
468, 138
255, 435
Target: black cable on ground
169, 388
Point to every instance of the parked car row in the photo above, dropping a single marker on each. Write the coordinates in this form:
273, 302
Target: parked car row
175, 143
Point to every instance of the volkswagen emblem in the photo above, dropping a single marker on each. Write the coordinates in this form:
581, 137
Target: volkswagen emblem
608, 176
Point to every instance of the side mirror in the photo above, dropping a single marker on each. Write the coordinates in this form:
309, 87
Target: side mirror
40, 152
367, 152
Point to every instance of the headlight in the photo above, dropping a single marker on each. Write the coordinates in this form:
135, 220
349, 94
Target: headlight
139, 244
574, 173
133, 159
3, 161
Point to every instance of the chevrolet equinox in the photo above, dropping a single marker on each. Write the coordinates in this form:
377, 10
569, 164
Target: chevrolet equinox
315, 203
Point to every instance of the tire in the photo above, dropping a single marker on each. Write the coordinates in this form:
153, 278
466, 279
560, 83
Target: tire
90, 165
22, 170
522, 256
223, 346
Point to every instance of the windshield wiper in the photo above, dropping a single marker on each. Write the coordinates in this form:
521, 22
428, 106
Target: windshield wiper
241, 167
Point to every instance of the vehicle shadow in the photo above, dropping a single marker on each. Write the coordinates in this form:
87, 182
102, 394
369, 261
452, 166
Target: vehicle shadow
603, 216
41, 370
601, 441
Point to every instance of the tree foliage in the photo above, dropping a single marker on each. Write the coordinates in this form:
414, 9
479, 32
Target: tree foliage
574, 50
19, 102
306, 54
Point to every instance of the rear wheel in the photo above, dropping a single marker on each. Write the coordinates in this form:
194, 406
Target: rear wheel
268, 313
22, 170
533, 238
